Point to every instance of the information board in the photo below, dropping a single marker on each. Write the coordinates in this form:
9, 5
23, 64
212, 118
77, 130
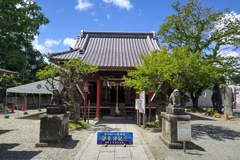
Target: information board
184, 130
137, 103
114, 138
142, 96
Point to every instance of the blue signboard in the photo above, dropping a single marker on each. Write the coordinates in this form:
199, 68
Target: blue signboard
114, 137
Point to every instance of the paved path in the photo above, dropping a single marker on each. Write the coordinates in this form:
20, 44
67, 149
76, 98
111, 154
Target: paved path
138, 151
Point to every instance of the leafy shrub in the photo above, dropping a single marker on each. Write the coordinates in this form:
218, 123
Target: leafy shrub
79, 125
152, 124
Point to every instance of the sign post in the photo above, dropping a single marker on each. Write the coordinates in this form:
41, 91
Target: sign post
137, 104
142, 108
184, 132
85, 92
115, 138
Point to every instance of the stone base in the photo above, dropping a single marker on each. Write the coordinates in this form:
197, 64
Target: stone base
96, 119
56, 110
55, 145
169, 129
177, 145
53, 128
175, 111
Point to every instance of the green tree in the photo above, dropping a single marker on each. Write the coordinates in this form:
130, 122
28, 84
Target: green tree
74, 72
206, 32
20, 21
200, 28
179, 69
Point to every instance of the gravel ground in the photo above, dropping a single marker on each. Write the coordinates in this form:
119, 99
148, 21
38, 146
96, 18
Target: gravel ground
216, 140
19, 136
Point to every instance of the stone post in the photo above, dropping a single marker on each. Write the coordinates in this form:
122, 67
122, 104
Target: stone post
174, 112
228, 102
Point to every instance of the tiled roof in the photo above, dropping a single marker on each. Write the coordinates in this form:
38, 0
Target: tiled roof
110, 49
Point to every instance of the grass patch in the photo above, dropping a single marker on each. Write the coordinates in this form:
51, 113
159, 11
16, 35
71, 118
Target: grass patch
152, 124
79, 125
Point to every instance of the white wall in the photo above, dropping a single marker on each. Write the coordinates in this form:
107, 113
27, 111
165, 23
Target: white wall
204, 100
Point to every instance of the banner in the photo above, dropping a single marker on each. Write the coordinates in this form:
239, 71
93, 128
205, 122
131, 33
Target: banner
142, 97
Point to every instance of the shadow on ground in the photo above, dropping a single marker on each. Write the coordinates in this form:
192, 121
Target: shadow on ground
195, 117
32, 117
102, 124
13, 155
3, 131
214, 132
70, 144
116, 120
104, 128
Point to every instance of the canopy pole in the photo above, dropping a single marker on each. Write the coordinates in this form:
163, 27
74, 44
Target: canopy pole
39, 104
5, 103
35, 100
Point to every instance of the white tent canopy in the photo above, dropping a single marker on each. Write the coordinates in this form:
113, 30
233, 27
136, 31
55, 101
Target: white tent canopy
39, 87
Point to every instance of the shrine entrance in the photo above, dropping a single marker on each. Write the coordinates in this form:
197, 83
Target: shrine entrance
116, 98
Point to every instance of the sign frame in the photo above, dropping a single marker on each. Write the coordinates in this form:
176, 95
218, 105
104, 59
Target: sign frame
115, 138
184, 130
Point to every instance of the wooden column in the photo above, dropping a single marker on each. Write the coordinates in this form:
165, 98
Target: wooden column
98, 97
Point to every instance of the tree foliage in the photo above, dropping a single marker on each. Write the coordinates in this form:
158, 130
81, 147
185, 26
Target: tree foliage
200, 28
74, 72
181, 69
207, 32
20, 21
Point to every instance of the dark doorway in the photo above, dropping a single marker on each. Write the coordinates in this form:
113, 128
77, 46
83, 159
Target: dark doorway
121, 94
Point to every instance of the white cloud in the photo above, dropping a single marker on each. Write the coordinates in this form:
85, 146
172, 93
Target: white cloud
230, 53
69, 42
43, 28
41, 48
139, 12
51, 42
84, 5
96, 20
224, 24
108, 16
126, 4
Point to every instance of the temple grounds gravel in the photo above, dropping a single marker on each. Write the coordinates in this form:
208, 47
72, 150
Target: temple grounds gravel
18, 137
215, 139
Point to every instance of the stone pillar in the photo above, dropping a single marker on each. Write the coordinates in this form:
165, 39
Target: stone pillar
54, 129
228, 102
174, 112
169, 129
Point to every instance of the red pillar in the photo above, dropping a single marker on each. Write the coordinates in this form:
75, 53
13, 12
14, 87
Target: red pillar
23, 109
85, 106
98, 97
150, 105
12, 111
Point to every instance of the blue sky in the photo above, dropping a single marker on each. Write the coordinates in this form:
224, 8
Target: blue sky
69, 17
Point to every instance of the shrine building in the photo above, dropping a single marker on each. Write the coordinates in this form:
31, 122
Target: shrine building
114, 53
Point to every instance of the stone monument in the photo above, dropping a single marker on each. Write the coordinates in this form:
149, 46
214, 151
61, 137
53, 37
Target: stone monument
228, 102
174, 112
54, 125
